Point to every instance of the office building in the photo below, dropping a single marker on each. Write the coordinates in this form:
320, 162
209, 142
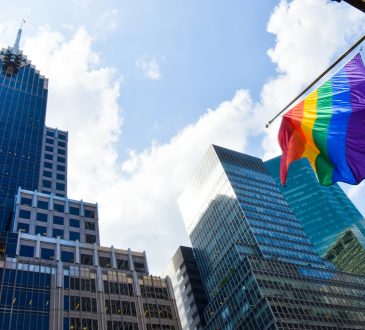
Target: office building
324, 211
54, 274
258, 266
188, 288
348, 252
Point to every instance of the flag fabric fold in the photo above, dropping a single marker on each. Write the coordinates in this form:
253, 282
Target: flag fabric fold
328, 128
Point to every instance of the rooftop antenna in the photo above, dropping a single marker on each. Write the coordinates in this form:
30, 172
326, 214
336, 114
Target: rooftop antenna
18, 36
12, 58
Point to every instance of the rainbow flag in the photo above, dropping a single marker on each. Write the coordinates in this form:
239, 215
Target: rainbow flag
328, 128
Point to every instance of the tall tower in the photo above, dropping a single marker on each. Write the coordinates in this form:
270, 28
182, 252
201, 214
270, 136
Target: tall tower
23, 100
326, 213
258, 266
55, 274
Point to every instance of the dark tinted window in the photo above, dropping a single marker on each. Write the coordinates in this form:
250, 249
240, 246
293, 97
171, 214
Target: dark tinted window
89, 214
47, 254
74, 223
59, 207
74, 210
42, 205
42, 217
41, 230
67, 256
26, 201
74, 236
24, 214
27, 251
58, 232
24, 227
58, 220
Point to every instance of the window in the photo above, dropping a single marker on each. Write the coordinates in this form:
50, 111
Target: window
60, 177
89, 214
60, 186
24, 214
61, 160
50, 133
90, 238
86, 259
74, 236
47, 174
48, 156
62, 136
74, 223
47, 165
122, 264
57, 232
47, 254
61, 144
139, 267
41, 230
47, 184
61, 168
89, 225
59, 207
74, 210
49, 141
26, 251
49, 148
26, 201
58, 220
105, 262
61, 151
23, 227
42, 205
67, 256
42, 217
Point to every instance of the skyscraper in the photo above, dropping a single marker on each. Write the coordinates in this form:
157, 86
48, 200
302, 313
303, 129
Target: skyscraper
54, 274
23, 99
325, 212
258, 266
188, 288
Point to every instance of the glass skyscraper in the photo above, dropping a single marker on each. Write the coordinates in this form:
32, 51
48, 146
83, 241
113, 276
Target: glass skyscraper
23, 98
324, 211
53, 272
326, 214
258, 266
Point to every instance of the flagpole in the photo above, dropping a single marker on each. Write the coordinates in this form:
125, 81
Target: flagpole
356, 44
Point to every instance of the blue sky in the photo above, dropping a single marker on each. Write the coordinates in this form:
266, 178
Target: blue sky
144, 87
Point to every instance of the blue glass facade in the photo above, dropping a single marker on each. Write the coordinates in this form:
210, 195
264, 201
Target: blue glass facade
23, 98
25, 298
258, 266
324, 211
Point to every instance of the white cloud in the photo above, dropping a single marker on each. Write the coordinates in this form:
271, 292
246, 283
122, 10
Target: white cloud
150, 67
137, 199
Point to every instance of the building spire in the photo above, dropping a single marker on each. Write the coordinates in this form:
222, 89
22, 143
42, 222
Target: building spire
17, 41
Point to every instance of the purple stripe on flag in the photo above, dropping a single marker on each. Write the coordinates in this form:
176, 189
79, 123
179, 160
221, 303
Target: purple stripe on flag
355, 139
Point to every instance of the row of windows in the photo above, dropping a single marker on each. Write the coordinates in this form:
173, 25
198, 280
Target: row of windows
59, 176
123, 289
59, 207
120, 307
60, 168
79, 324
119, 325
76, 303
48, 184
57, 220
51, 141
154, 292
157, 311
73, 236
79, 284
